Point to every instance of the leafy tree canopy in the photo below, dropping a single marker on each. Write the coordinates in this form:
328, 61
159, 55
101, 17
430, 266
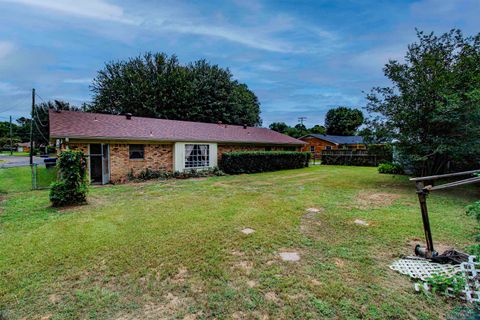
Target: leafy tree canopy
21, 129
41, 125
297, 131
156, 85
343, 121
281, 127
432, 108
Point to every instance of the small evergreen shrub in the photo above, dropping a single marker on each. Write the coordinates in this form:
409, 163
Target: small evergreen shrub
262, 161
149, 174
390, 168
71, 187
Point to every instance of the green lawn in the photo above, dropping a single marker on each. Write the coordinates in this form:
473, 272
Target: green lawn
174, 249
15, 153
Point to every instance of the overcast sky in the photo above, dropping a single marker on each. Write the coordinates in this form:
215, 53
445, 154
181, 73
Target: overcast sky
300, 57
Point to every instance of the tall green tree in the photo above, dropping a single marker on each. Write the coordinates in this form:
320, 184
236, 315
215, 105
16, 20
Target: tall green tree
156, 85
317, 129
5, 133
281, 127
432, 108
297, 131
40, 130
343, 121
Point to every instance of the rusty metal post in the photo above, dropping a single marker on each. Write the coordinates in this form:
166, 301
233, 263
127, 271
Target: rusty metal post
422, 198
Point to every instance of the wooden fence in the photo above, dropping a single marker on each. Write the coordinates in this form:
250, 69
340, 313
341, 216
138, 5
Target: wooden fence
351, 157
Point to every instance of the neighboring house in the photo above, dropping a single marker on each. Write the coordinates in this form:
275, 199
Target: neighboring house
319, 142
118, 145
23, 147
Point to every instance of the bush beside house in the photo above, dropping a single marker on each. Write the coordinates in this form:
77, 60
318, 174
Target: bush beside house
390, 168
262, 161
71, 187
151, 174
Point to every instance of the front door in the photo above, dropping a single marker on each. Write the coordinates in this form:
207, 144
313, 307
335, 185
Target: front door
99, 163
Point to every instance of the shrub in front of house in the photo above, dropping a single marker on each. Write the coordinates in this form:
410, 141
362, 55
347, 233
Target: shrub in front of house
150, 174
71, 187
390, 168
263, 161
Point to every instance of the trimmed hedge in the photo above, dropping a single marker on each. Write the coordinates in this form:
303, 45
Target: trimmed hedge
262, 161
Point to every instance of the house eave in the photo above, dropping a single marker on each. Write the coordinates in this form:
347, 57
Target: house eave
152, 139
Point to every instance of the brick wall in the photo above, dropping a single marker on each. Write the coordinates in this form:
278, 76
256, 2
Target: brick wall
156, 157
76, 146
318, 144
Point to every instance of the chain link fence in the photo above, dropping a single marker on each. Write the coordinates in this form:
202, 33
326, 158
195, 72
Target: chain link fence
43, 176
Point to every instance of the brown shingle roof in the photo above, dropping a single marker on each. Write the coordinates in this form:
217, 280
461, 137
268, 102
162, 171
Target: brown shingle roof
73, 124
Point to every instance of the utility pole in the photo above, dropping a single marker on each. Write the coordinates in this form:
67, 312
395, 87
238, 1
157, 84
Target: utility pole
31, 126
11, 138
302, 119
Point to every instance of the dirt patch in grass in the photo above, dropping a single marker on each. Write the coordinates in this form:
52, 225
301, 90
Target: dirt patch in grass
170, 306
311, 221
244, 266
339, 262
54, 298
180, 276
271, 297
366, 200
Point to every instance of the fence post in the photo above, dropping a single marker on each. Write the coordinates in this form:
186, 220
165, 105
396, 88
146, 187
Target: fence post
34, 176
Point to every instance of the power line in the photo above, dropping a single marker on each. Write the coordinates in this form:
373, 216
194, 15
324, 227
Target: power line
39, 97
12, 107
39, 131
38, 118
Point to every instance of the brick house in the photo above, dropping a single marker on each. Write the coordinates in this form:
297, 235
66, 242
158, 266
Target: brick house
319, 142
118, 145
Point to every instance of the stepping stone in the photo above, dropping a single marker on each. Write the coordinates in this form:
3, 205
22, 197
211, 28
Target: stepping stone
313, 210
361, 222
248, 230
290, 256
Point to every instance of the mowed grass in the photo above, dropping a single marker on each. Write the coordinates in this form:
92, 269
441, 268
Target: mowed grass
175, 249
14, 153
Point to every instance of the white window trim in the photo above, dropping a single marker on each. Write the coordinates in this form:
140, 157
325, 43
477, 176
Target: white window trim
179, 156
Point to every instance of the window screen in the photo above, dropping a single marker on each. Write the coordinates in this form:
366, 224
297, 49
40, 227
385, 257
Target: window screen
137, 151
197, 155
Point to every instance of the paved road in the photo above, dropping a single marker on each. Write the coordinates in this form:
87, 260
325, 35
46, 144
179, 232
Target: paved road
17, 161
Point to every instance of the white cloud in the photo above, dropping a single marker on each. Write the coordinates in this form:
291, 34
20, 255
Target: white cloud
258, 31
6, 48
78, 81
376, 58
269, 67
93, 9
229, 33
8, 89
